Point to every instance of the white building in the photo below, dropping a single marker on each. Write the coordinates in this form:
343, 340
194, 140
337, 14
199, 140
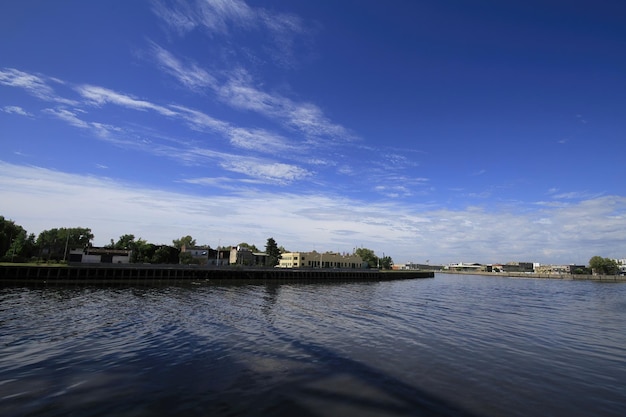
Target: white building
100, 256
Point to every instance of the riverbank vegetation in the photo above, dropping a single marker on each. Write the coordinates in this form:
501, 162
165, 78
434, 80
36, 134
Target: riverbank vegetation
53, 246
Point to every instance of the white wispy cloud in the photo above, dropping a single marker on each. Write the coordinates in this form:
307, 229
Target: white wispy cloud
260, 140
99, 95
224, 16
574, 195
254, 139
309, 119
271, 171
40, 199
69, 116
264, 170
16, 110
236, 89
35, 85
179, 15
100, 130
190, 75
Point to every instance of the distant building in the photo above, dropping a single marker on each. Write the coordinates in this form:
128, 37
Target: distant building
560, 269
518, 267
240, 255
100, 255
206, 256
410, 266
222, 258
321, 260
466, 267
199, 254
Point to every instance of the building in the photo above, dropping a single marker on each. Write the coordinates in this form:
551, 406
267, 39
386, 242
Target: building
222, 258
321, 260
519, 267
100, 255
466, 267
411, 266
199, 255
240, 255
561, 269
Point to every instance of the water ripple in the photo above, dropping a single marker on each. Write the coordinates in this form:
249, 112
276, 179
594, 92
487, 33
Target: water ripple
456, 345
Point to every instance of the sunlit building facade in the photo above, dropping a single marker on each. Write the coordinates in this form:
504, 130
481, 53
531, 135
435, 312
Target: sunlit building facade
321, 260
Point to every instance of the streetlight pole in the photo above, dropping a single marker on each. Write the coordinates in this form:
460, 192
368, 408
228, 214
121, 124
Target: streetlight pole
67, 240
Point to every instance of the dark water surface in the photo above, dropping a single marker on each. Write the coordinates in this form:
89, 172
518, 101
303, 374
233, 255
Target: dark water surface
455, 345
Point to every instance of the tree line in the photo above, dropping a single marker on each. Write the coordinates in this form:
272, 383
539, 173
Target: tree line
53, 245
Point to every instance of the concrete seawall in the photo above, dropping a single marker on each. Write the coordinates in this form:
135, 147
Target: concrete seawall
566, 277
174, 274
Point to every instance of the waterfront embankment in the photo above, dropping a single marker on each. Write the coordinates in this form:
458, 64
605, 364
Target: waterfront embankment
566, 277
173, 274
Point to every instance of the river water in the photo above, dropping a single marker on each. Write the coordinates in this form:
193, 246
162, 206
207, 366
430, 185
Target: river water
455, 345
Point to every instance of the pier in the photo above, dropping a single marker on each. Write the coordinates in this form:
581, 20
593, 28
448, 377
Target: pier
181, 274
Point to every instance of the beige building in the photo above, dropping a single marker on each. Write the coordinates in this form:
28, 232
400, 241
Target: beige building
320, 260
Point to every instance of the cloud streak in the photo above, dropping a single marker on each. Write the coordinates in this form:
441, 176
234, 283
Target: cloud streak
35, 85
266, 170
222, 17
16, 110
237, 90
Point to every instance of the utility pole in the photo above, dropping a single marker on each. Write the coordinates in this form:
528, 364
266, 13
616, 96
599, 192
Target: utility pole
67, 240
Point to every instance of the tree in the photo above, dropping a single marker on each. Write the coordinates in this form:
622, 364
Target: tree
603, 266
165, 255
368, 255
8, 231
22, 248
252, 248
273, 252
186, 241
16, 245
386, 262
125, 242
186, 258
142, 251
55, 243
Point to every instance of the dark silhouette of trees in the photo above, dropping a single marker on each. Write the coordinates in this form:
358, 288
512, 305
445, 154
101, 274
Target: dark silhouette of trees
273, 252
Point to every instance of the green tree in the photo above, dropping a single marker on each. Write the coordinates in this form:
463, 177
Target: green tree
186, 258
252, 248
165, 255
368, 255
125, 242
142, 251
603, 266
16, 245
22, 248
8, 231
386, 262
272, 251
186, 241
56, 243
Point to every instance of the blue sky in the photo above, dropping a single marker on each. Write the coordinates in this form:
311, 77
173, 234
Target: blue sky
448, 131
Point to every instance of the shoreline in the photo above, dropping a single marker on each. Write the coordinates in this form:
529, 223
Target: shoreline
173, 274
564, 277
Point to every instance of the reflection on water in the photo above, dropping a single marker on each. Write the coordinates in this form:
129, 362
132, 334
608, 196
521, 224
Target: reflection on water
453, 346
